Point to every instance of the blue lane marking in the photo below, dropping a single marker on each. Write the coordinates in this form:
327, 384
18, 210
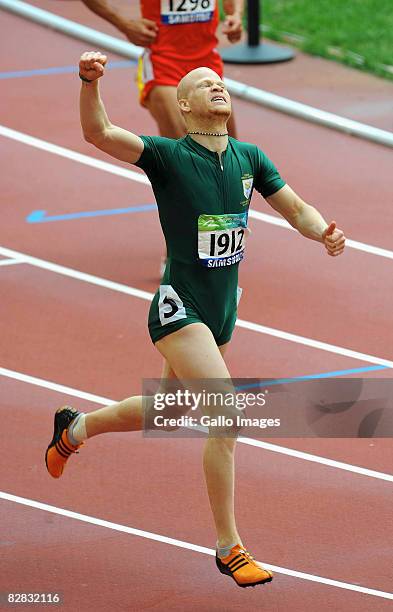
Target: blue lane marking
60, 70
281, 381
39, 216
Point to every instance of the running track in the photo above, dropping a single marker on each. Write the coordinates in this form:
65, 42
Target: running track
312, 521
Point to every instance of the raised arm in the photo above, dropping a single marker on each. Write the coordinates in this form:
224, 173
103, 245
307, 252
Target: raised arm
97, 129
307, 220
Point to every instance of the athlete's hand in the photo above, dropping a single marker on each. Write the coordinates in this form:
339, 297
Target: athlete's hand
142, 32
334, 240
91, 65
233, 27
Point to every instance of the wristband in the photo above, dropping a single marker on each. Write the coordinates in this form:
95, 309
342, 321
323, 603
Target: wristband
85, 79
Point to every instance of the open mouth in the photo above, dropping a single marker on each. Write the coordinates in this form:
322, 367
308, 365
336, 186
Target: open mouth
218, 99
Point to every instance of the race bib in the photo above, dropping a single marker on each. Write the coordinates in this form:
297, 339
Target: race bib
174, 12
221, 239
170, 306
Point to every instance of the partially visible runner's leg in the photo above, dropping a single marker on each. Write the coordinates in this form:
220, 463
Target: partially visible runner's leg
162, 105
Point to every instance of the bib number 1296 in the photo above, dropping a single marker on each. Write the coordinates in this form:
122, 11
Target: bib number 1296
185, 6
174, 12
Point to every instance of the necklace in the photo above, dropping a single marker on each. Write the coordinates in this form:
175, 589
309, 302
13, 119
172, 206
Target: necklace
209, 133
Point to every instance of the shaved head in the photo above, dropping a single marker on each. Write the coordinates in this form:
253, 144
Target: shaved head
202, 97
190, 78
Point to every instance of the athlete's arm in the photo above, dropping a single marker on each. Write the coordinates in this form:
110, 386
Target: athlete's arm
307, 220
138, 31
97, 129
233, 26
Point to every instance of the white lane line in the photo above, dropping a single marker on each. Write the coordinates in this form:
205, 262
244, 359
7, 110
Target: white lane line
145, 295
322, 346
10, 262
339, 465
141, 178
73, 155
76, 274
181, 544
97, 399
47, 384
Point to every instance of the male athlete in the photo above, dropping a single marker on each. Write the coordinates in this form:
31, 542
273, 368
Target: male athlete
178, 36
203, 185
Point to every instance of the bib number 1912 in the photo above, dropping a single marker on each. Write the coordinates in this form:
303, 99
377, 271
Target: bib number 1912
226, 243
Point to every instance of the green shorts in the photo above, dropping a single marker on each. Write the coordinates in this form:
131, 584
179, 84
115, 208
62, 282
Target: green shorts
191, 293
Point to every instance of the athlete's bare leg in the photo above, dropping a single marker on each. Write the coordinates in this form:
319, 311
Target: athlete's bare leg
193, 353
162, 105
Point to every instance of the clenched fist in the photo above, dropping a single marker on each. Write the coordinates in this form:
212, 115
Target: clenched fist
334, 240
91, 65
233, 28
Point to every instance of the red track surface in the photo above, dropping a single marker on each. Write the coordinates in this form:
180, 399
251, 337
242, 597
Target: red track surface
293, 513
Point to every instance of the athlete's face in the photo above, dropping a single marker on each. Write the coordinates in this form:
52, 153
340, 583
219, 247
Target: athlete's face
205, 94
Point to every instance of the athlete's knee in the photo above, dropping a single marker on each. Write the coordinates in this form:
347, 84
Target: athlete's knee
221, 415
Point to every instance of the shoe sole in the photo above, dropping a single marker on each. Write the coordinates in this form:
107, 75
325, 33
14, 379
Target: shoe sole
250, 584
253, 584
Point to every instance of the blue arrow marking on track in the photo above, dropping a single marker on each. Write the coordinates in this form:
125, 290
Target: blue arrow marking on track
39, 216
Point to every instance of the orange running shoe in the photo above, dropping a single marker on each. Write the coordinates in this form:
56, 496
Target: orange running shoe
60, 448
242, 567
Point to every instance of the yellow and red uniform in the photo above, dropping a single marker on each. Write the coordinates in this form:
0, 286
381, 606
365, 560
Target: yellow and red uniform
186, 40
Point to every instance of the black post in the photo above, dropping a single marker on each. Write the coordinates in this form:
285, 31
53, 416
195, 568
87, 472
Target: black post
253, 22
255, 52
